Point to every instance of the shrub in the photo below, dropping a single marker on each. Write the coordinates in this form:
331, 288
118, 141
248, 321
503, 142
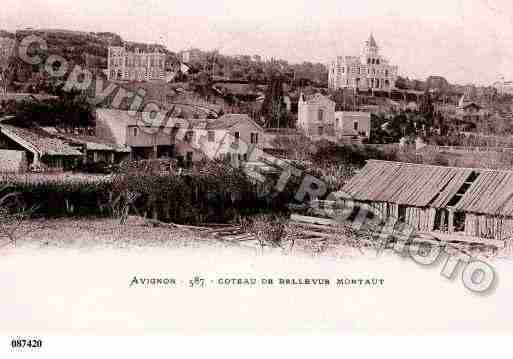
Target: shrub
57, 196
211, 191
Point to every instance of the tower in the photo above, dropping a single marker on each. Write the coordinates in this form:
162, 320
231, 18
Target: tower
370, 52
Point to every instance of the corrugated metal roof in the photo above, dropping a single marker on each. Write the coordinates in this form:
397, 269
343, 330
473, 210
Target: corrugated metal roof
488, 192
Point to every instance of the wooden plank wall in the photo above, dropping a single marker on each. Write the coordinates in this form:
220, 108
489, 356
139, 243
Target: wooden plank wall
423, 219
420, 219
488, 227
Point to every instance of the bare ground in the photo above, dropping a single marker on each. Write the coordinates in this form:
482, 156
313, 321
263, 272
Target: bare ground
100, 233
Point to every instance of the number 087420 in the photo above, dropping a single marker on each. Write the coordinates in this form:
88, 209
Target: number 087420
26, 343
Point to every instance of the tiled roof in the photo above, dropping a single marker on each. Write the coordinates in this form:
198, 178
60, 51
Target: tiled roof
316, 98
228, 121
90, 142
38, 140
133, 118
95, 144
237, 89
25, 97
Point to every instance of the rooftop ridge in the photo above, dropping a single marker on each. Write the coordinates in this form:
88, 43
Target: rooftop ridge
439, 166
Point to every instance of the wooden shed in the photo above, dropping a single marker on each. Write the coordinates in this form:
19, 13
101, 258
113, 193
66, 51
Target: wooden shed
468, 202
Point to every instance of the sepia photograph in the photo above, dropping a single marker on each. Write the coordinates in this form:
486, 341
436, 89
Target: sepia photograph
228, 167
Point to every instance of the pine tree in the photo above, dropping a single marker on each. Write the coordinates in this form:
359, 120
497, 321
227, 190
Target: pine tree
273, 108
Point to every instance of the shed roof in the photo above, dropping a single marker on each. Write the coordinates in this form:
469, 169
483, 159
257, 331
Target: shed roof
486, 191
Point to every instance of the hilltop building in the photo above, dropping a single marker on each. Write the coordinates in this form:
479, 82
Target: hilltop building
370, 70
137, 65
193, 56
469, 110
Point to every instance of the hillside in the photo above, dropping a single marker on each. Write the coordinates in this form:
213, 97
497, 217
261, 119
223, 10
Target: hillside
87, 49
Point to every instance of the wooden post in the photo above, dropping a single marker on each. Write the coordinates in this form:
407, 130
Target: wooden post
451, 221
154, 155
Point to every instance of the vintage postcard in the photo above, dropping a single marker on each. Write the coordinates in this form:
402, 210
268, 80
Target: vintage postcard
259, 167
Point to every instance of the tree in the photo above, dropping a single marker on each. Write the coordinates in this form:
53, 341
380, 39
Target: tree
426, 105
7, 67
273, 108
70, 110
401, 83
13, 213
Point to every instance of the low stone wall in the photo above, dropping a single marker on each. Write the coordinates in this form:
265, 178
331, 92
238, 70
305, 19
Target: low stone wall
13, 161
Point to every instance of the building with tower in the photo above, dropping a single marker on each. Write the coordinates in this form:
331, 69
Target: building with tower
369, 71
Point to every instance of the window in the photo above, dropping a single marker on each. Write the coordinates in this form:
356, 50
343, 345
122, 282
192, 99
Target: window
321, 130
355, 124
320, 115
459, 222
254, 138
211, 136
441, 220
237, 136
401, 213
136, 130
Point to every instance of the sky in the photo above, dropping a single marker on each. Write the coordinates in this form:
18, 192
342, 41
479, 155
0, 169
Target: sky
466, 41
